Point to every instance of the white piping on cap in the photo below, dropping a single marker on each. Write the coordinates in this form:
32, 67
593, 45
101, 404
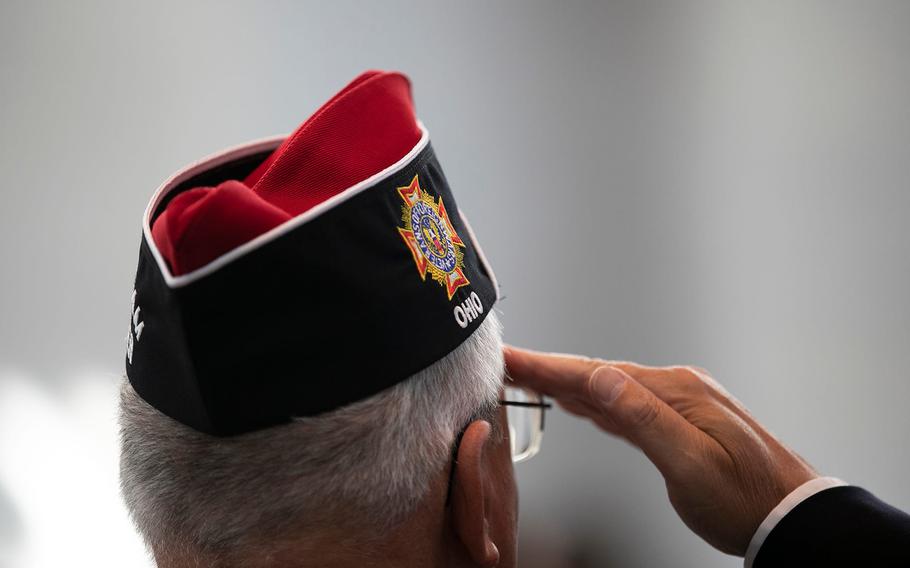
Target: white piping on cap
241, 152
480, 254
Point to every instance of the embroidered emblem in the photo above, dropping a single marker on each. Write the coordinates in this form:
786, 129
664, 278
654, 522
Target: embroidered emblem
431, 238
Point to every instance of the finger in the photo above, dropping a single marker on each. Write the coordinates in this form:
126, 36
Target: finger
555, 375
567, 378
562, 376
566, 374
690, 389
641, 372
577, 407
692, 382
672, 379
667, 438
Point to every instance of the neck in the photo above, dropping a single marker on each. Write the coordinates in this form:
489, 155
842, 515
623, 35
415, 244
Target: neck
425, 539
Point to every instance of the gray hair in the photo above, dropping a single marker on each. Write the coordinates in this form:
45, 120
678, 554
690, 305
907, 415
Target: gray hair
369, 463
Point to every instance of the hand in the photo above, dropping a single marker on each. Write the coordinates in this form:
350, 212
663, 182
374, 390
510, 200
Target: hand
724, 471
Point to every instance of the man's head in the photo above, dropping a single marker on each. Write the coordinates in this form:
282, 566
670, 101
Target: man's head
312, 336
366, 484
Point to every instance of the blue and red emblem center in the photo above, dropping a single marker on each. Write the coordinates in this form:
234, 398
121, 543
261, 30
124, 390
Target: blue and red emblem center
432, 237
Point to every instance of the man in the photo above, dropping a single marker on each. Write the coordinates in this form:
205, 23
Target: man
315, 369
316, 377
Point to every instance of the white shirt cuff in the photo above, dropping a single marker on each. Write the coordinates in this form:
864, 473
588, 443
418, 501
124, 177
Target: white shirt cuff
797, 496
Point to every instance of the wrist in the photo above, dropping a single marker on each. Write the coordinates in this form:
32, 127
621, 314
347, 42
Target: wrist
787, 504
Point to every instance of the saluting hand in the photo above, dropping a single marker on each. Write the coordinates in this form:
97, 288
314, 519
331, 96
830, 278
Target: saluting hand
724, 471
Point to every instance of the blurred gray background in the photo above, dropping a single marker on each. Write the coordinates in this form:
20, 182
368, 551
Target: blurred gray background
716, 183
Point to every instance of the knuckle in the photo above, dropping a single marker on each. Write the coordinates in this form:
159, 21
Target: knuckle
690, 378
687, 374
645, 414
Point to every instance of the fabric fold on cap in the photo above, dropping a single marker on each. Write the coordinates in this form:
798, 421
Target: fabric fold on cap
366, 127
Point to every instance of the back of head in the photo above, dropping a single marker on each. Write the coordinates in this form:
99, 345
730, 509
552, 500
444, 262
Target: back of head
360, 469
312, 325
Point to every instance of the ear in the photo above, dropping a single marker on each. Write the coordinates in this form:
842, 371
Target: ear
469, 498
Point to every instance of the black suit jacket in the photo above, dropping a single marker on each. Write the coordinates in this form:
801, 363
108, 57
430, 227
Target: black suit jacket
841, 526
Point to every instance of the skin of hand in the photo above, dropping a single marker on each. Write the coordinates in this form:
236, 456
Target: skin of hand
723, 470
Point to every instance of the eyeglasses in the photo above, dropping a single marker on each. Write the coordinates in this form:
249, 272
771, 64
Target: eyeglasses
525, 411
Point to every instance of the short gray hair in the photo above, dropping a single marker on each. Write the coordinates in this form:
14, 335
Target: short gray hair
369, 462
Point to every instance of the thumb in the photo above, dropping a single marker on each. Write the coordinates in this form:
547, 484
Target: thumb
638, 415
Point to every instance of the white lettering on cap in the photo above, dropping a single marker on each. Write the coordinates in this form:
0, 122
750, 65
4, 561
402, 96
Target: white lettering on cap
136, 327
469, 310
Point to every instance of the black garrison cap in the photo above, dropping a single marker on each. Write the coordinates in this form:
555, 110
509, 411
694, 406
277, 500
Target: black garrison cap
258, 300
